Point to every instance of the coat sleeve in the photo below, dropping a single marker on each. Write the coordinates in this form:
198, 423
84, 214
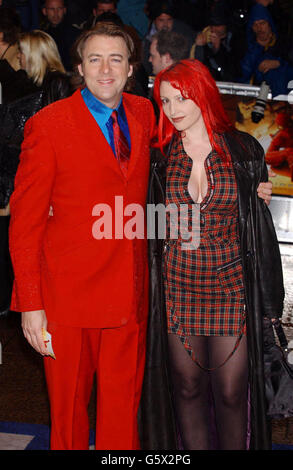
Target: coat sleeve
29, 205
267, 254
156, 416
248, 65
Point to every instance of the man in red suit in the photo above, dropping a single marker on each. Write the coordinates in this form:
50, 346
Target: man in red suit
90, 294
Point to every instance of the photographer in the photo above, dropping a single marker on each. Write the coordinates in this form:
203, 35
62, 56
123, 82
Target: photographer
217, 48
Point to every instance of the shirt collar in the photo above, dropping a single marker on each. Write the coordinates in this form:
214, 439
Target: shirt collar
101, 110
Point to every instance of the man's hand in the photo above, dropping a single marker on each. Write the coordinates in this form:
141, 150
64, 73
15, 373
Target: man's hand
264, 191
201, 39
32, 324
267, 65
215, 40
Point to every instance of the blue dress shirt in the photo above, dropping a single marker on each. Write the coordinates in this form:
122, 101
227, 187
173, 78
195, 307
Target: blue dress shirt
102, 115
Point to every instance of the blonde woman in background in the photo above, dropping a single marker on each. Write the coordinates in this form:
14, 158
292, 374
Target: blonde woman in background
39, 57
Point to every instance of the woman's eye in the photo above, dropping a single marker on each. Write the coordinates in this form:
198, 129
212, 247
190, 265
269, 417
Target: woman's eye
164, 101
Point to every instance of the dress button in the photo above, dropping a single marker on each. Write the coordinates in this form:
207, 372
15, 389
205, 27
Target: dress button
166, 244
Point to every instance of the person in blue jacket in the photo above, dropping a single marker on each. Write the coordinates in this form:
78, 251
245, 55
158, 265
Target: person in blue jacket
266, 58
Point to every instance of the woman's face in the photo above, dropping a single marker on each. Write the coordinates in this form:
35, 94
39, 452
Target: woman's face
183, 113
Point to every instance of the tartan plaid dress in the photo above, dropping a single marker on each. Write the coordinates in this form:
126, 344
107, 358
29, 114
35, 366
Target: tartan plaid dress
204, 286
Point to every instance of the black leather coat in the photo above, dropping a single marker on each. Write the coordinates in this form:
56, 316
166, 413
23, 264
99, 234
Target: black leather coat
264, 290
13, 117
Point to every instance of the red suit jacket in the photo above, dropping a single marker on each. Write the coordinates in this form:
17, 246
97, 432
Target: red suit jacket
66, 163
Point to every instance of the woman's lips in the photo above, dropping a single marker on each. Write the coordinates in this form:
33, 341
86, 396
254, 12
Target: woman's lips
178, 119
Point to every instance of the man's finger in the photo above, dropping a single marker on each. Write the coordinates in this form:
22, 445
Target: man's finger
36, 340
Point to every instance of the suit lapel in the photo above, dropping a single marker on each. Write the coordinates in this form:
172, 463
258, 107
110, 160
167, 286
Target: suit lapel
93, 136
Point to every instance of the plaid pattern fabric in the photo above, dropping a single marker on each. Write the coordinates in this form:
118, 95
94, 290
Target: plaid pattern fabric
204, 286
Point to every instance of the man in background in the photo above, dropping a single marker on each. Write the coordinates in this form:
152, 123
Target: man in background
166, 48
63, 33
101, 7
163, 18
267, 55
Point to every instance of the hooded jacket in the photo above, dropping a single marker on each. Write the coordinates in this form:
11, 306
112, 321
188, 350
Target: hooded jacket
264, 292
277, 78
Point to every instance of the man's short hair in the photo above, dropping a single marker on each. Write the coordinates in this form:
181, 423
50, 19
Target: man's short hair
63, 1
104, 29
106, 1
174, 44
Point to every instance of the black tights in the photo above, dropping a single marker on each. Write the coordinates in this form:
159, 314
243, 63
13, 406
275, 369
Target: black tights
229, 385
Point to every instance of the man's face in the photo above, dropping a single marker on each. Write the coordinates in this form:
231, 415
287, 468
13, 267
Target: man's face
159, 62
262, 30
103, 8
105, 68
164, 22
219, 30
54, 10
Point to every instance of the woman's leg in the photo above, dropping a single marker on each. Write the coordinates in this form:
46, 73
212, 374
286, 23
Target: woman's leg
190, 384
230, 388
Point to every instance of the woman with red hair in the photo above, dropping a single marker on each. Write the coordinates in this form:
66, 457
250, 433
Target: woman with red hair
218, 291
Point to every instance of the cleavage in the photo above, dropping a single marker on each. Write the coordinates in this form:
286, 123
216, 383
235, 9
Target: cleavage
198, 181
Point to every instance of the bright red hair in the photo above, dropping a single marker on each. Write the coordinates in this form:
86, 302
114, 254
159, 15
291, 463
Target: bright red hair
195, 82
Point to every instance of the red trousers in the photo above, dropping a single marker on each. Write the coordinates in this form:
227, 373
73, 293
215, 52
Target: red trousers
117, 356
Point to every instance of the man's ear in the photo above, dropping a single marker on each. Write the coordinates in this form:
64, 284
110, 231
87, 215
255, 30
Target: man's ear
130, 71
168, 60
44, 11
80, 69
94, 11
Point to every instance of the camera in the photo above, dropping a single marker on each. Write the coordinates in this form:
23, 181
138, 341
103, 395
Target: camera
260, 105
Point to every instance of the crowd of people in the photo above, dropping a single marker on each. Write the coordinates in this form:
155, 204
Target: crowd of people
240, 41
78, 122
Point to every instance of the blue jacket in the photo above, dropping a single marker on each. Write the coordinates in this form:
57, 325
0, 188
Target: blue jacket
277, 78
